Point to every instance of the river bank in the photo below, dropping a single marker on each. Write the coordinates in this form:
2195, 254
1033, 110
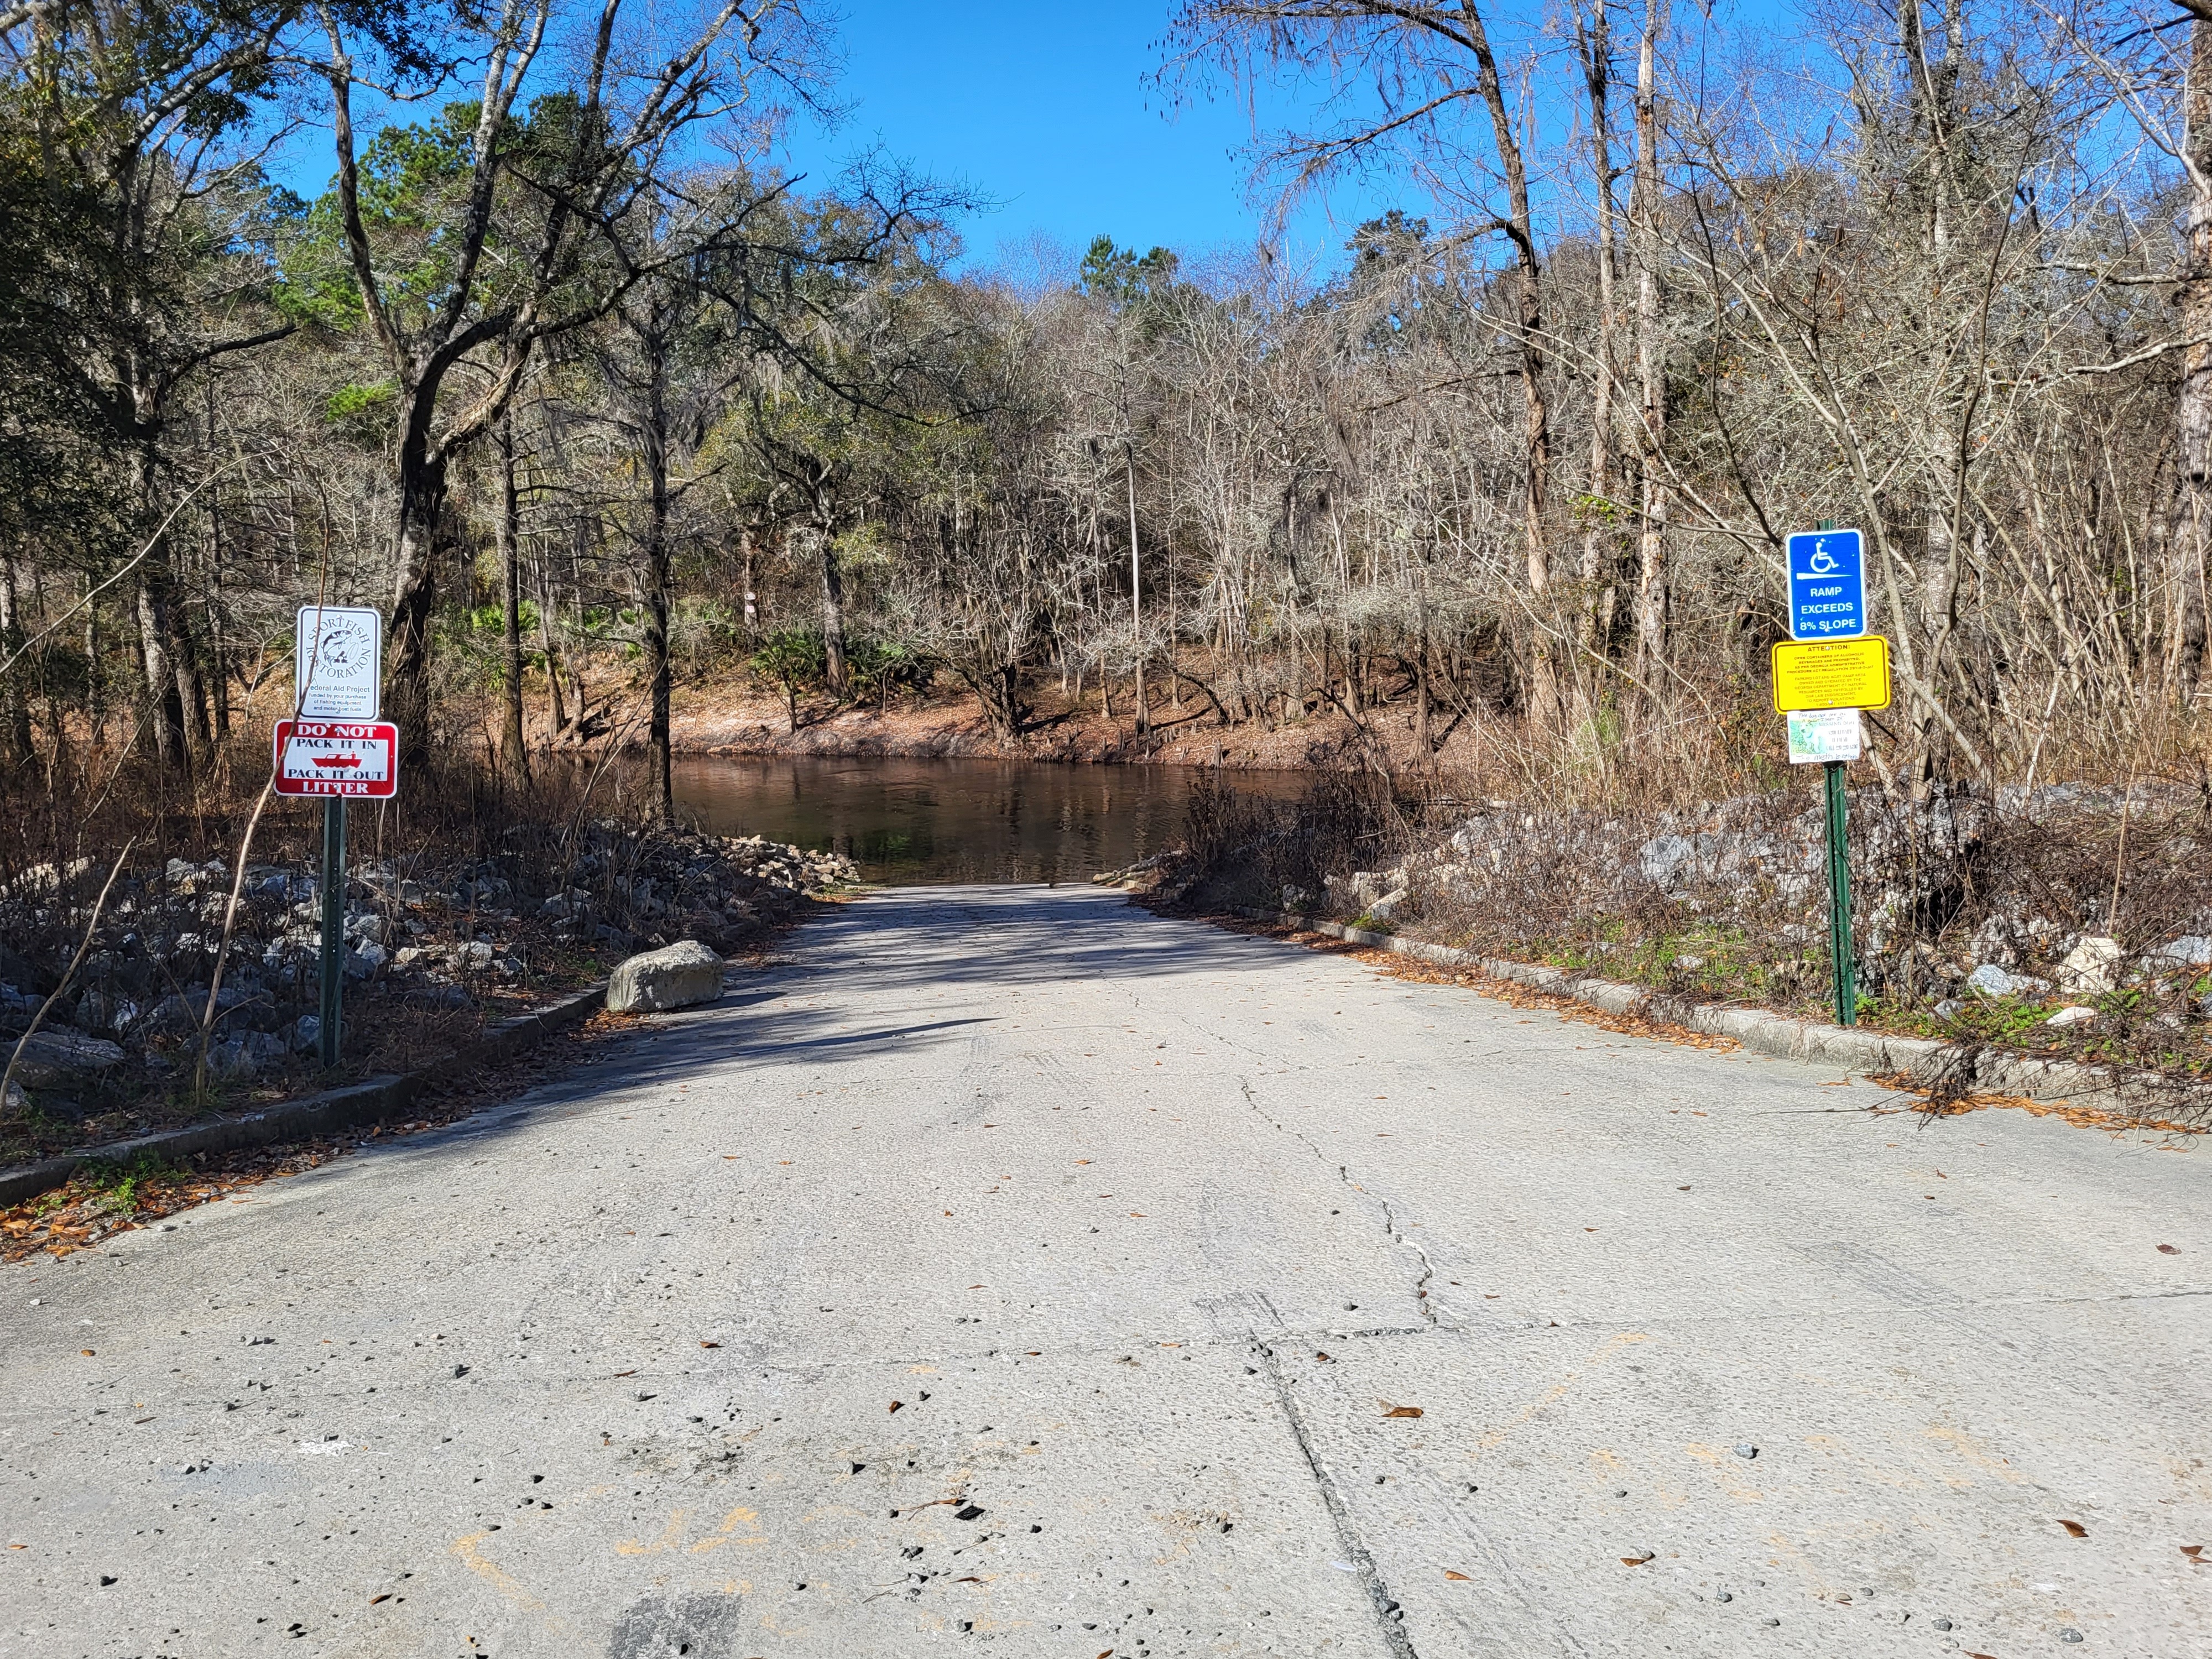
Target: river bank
730, 717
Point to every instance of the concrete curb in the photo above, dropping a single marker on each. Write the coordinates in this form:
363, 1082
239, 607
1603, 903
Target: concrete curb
356, 1106
1968, 1067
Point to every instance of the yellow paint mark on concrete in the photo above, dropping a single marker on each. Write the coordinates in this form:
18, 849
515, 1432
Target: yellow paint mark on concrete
1974, 1451
670, 1538
1866, 1468
492, 1573
1604, 1350
1802, 1563
1724, 1473
727, 1531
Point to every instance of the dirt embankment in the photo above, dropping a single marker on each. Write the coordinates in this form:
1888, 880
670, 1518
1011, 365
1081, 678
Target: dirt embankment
729, 717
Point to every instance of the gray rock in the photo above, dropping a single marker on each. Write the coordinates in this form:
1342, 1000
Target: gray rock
1386, 909
2070, 1634
1940, 1624
1745, 1448
307, 1031
2091, 965
53, 1058
2066, 1017
1661, 857
1949, 1008
362, 963
680, 977
2190, 951
1991, 981
235, 1058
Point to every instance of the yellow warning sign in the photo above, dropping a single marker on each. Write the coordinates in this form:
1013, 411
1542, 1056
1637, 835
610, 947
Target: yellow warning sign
1832, 674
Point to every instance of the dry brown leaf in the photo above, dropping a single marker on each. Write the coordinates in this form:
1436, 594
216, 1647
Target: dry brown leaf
2195, 1553
2075, 1529
1457, 1578
896, 1404
710, 1344
1400, 1410
2169, 1250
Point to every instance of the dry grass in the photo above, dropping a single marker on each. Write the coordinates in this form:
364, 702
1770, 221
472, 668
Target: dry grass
1725, 901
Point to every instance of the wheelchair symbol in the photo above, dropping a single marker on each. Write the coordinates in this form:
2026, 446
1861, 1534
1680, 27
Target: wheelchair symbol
1823, 561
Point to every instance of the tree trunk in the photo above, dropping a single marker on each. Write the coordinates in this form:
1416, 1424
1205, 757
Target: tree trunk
414, 595
748, 555
192, 687
1601, 552
513, 754
1421, 696
15, 707
559, 715
2192, 534
1528, 336
1654, 607
164, 713
833, 609
655, 434
1136, 597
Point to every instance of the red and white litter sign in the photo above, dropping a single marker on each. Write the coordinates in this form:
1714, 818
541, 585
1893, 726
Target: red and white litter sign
338, 757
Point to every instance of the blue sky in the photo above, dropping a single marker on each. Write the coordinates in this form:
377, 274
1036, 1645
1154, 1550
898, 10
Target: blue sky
1044, 107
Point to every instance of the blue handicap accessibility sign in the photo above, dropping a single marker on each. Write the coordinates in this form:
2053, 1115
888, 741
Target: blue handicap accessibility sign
1827, 586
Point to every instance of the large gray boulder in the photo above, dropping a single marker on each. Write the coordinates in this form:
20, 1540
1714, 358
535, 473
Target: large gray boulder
53, 1058
677, 976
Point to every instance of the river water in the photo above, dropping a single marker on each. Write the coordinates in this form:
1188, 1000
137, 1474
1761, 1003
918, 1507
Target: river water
939, 821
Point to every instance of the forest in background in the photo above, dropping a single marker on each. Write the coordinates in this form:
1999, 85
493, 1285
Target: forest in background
560, 372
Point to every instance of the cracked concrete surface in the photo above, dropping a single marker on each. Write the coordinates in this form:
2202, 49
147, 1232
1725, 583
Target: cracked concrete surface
1017, 1269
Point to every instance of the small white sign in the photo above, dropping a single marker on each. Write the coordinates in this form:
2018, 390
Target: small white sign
338, 665
1823, 734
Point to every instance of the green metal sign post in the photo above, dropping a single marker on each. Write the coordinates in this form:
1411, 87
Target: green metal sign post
1843, 968
334, 817
1839, 900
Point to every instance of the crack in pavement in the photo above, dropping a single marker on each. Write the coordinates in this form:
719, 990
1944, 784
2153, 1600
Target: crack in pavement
1347, 1536
1428, 1267
1344, 1174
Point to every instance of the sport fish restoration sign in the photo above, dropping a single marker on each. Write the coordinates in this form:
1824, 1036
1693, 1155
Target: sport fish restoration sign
345, 758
